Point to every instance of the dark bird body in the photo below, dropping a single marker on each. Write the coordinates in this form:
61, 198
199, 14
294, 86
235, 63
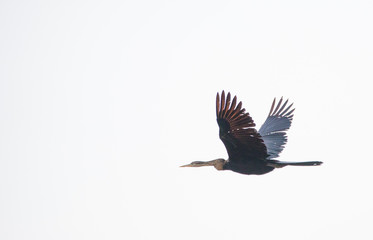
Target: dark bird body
251, 151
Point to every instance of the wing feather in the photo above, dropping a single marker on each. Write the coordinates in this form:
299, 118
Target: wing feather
227, 103
233, 105
273, 130
236, 130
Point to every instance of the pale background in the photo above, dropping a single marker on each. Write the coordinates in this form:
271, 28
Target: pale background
101, 101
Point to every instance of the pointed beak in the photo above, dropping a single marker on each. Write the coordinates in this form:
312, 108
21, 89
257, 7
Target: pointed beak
187, 165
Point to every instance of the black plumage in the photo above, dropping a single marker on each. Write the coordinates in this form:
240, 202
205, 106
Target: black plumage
251, 151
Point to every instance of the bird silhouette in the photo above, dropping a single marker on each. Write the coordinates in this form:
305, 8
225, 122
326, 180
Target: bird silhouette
251, 151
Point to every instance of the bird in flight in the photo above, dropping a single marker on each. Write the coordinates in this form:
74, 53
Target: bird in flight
251, 151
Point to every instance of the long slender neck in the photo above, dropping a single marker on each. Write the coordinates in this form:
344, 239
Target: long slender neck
217, 163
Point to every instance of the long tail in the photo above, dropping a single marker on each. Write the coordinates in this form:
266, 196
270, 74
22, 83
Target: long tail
279, 164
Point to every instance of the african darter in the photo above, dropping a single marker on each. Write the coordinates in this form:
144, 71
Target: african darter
251, 151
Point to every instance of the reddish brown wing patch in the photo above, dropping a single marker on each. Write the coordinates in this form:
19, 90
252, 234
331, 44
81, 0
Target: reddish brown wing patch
237, 131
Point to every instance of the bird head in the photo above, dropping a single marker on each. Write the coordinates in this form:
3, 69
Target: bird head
217, 163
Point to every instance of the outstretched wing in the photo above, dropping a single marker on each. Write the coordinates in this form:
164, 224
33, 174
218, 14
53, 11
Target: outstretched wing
273, 129
236, 130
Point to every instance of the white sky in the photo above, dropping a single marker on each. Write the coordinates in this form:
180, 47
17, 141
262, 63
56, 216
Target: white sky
100, 103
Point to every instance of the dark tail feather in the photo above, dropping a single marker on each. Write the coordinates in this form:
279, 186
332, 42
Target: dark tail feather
278, 164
